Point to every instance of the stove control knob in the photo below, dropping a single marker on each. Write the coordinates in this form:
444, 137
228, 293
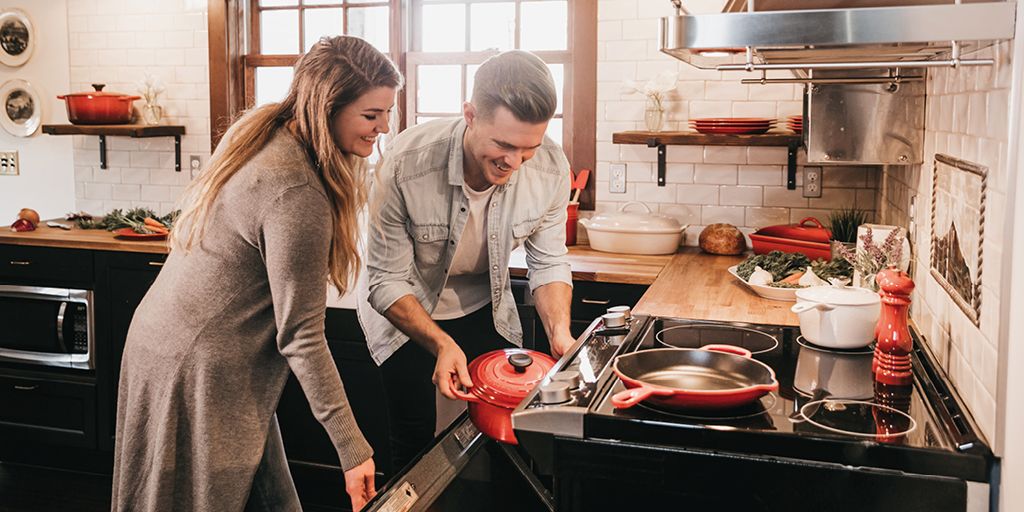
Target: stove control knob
614, 320
554, 392
625, 310
570, 377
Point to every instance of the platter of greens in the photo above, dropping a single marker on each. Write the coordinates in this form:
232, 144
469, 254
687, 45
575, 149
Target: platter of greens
778, 275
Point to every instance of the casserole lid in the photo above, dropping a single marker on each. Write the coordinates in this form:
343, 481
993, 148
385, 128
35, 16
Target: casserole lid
838, 295
504, 377
810, 229
99, 93
634, 222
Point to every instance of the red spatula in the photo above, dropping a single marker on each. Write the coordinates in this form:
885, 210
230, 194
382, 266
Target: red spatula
579, 183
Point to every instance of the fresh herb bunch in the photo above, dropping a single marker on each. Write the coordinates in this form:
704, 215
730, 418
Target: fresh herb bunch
779, 264
782, 264
873, 257
844, 223
133, 218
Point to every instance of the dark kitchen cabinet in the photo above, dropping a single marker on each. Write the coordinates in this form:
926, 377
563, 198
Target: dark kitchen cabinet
122, 281
46, 266
47, 408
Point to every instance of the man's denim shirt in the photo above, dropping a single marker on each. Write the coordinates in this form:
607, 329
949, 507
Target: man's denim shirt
417, 215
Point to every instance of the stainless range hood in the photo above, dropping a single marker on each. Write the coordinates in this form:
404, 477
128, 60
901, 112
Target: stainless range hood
763, 35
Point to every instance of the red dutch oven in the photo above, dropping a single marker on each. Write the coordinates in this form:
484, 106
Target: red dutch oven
809, 237
98, 107
502, 379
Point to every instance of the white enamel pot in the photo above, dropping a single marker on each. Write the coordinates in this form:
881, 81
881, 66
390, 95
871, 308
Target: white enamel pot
838, 316
634, 232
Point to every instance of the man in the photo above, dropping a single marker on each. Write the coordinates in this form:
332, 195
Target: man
452, 200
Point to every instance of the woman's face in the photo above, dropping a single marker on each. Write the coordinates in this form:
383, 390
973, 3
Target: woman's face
357, 125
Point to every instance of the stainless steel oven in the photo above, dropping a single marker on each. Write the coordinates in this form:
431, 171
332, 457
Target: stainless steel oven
47, 326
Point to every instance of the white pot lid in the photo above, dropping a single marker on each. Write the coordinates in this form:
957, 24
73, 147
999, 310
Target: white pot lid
838, 295
634, 222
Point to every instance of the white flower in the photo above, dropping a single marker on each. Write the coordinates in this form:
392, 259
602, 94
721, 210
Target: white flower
656, 88
150, 87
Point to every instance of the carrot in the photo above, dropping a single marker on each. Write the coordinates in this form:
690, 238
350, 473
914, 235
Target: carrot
153, 223
793, 278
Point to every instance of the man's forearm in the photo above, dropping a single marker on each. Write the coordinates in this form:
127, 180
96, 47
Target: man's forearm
408, 315
553, 302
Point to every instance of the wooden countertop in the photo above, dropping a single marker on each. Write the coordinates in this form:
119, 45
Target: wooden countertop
698, 285
95, 239
605, 267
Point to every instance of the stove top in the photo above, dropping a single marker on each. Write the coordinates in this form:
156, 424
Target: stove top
827, 408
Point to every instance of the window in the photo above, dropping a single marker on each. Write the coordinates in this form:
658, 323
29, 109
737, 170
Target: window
255, 43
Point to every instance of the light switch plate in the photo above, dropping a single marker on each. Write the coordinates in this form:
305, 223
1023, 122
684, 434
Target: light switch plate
812, 181
9, 163
617, 178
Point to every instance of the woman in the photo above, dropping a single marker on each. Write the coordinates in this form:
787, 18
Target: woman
241, 299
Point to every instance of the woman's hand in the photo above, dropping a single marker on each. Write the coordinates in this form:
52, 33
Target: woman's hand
451, 363
359, 484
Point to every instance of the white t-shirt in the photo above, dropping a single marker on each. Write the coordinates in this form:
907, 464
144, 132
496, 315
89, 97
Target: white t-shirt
468, 287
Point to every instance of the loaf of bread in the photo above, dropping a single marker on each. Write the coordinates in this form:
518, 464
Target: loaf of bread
722, 239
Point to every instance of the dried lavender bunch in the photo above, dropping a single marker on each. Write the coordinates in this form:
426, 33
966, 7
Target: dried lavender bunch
875, 257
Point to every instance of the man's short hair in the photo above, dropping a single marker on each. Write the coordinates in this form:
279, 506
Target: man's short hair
519, 81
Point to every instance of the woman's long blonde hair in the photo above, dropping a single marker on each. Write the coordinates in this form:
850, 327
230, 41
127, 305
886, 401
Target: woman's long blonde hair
334, 73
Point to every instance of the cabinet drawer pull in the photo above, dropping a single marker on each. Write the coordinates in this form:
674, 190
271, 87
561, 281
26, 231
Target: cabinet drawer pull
596, 302
21, 262
26, 388
156, 263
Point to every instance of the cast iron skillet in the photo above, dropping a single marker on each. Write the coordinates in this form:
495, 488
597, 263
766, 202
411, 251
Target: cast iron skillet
712, 377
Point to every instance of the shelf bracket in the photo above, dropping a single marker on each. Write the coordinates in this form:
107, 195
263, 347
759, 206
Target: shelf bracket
791, 165
653, 143
177, 153
103, 151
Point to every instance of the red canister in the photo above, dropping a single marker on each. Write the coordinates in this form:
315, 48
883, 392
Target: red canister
809, 237
570, 223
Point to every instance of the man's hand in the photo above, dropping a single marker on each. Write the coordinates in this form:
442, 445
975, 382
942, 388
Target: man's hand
359, 484
451, 369
561, 344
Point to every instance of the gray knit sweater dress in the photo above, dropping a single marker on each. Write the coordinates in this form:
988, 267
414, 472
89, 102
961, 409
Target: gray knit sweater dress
212, 343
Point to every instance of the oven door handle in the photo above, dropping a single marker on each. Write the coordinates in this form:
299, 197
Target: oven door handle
60, 326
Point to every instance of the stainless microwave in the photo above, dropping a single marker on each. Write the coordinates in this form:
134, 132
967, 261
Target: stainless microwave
47, 326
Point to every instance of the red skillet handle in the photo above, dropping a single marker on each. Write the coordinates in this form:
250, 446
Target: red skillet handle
728, 349
630, 397
460, 394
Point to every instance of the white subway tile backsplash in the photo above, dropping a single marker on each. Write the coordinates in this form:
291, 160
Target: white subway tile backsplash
638, 172
835, 198
641, 29
653, 193
624, 50
761, 175
679, 173
609, 30
765, 109
684, 154
697, 194
741, 196
617, 10
719, 174
98, 190
108, 175
783, 197
705, 108
123, 192
725, 155
767, 155
757, 217
727, 214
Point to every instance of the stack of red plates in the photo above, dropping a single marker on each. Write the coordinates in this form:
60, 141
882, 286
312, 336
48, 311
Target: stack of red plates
732, 125
795, 123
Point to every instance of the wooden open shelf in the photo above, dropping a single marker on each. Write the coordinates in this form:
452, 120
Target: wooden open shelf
661, 139
123, 130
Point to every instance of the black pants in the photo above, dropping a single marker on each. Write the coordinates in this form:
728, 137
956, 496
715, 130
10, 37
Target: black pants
410, 392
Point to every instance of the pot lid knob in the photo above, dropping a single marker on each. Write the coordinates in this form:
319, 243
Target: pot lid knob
554, 392
98, 87
520, 361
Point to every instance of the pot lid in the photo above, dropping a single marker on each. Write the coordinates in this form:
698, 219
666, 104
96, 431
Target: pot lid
809, 229
634, 222
99, 93
505, 377
838, 295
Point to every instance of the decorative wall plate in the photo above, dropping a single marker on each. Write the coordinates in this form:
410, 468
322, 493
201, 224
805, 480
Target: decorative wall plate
17, 37
22, 108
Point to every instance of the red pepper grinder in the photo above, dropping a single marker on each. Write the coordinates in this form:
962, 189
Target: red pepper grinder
891, 364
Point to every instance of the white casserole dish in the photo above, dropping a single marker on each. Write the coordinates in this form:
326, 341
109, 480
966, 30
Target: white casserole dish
841, 317
634, 232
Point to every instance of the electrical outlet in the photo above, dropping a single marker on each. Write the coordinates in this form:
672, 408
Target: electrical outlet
194, 165
812, 181
9, 163
617, 180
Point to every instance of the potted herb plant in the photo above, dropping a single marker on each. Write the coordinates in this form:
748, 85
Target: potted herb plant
843, 224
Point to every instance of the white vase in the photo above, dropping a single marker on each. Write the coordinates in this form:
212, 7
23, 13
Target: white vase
654, 116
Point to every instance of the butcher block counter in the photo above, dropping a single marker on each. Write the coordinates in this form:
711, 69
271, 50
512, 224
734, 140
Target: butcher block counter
95, 239
698, 285
602, 267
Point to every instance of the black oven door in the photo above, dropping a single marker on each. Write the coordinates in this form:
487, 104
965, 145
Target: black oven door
467, 471
47, 326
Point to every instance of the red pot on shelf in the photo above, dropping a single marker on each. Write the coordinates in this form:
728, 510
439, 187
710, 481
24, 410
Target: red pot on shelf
809, 237
502, 379
98, 107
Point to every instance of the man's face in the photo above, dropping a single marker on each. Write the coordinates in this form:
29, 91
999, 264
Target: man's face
497, 146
